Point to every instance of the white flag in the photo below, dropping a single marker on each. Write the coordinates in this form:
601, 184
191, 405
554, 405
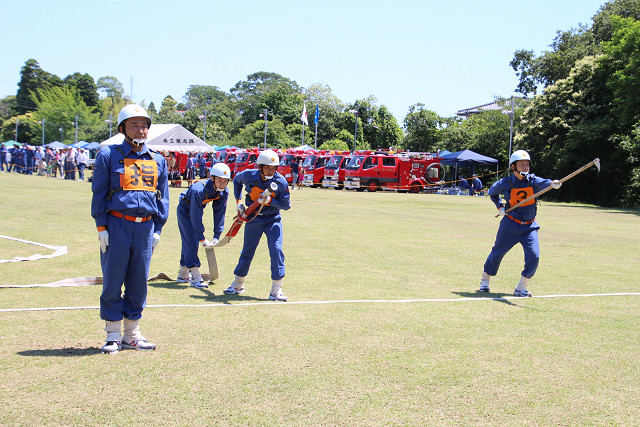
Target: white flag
304, 115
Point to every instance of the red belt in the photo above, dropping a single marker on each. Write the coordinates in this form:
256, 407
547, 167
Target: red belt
130, 218
520, 222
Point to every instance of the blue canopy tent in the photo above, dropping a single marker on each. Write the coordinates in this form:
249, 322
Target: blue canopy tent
92, 146
467, 158
56, 144
79, 144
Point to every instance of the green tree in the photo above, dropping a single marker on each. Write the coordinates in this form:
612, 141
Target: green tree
85, 86
569, 126
422, 128
253, 135
112, 88
335, 144
167, 113
219, 108
331, 111
29, 130
60, 106
262, 91
32, 78
621, 62
7, 106
387, 131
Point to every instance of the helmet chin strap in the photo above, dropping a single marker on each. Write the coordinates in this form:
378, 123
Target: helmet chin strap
136, 142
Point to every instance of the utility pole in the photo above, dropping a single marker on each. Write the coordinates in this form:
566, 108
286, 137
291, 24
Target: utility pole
355, 132
265, 127
204, 136
511, 127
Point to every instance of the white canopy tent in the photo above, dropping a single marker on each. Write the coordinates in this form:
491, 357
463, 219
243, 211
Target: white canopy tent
168, 137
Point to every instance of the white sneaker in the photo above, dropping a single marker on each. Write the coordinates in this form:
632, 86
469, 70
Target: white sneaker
139, 345
184, 279
233, 291
521, 293
110, 347
197, 282
278, 296
484, 286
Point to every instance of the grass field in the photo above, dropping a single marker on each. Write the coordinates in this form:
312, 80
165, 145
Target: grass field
384, 325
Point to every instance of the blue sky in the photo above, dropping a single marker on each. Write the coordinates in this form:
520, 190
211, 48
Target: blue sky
446, 55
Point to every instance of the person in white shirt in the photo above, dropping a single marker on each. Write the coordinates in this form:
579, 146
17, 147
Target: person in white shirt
81, 160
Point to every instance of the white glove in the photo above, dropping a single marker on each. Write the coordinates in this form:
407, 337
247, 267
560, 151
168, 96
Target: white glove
555, 184
501, 212
103, 238
156, 240
240, 207
214, 242
264, 201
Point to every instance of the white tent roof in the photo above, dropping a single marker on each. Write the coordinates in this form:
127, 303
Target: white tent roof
168, 137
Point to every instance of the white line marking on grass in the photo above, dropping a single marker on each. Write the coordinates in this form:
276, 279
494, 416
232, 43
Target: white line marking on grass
363, 301
59, 250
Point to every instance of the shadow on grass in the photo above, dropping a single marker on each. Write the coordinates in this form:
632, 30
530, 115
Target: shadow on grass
209, 296
627, 211
169, 285
62, 352
495, 296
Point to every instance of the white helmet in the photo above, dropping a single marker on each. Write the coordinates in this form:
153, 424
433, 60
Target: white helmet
269, 158
132, 110
519, 155
222, 170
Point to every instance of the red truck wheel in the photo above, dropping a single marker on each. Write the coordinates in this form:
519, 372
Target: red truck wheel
373, 185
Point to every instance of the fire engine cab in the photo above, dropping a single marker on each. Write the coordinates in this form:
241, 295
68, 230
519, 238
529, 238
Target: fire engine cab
334, 171
402, 172
313, 169
286, 159
229, 157
246, 160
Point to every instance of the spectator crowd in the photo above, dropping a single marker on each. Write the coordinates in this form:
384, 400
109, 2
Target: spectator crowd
63, 163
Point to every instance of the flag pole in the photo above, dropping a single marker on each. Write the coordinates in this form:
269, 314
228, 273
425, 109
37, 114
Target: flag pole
315, 119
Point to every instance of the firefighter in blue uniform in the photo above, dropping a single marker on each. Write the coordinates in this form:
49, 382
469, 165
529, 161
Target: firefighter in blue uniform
30, 161
268, 221
476, 185
190, 211
519, 225
3, 157
16, 158
130, 206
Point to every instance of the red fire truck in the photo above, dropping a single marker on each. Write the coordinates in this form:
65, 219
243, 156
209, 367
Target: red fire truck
334, 171
402, 172
313, 169
229, 156
246, 160
286, 159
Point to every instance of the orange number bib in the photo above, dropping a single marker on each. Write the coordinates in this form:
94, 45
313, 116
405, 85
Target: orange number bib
140, 175
519, 194
255, 194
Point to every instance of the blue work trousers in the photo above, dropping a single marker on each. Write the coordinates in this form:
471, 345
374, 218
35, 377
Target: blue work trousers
189, 253
126, 261
509, 234
271, 226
